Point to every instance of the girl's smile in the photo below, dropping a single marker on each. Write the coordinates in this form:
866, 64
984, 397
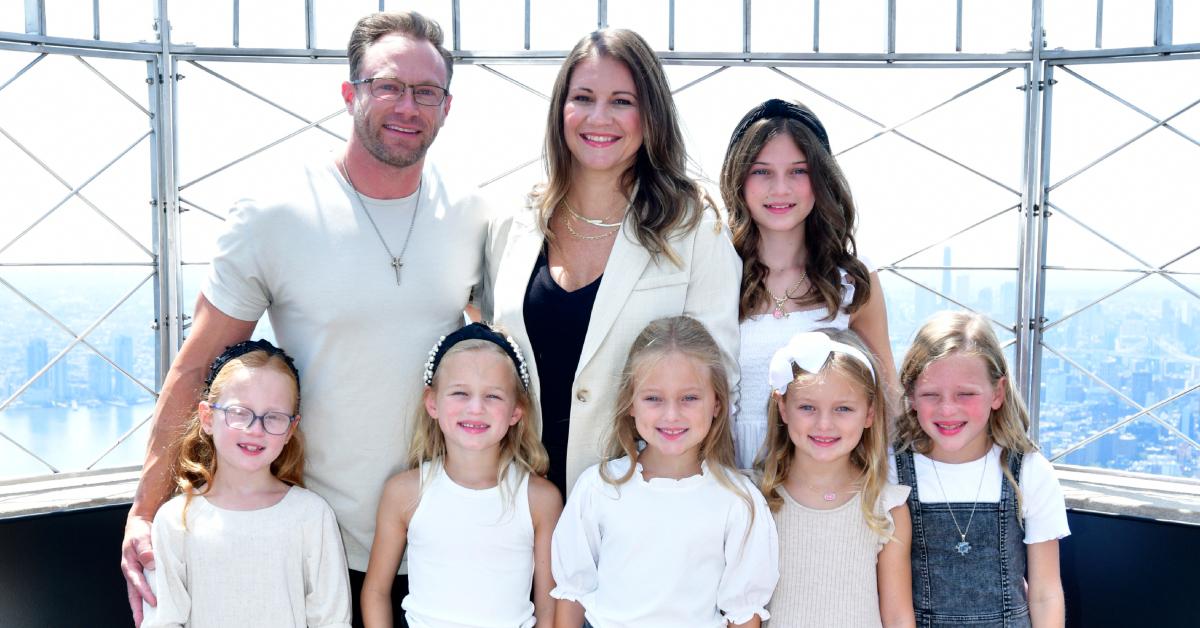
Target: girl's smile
674, 405
825, 416
474, 399
954, 398
250, 450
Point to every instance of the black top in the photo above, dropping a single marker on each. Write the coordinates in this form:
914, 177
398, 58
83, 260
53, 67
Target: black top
557, 323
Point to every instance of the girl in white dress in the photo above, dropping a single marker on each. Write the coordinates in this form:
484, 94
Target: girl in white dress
473, 511
793, 221
844, 530
244, 544
665, 532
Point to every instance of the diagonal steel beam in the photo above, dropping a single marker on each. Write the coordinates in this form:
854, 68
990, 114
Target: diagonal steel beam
260, 97
201, 209
78, 338
896, 271
1132, 106
75, 192
509, 171
263, 148
959, 232
24, 70
512, 80
949, 100
120, 439
1125, 421
900, 134
700, 80
113, 85
1123, 145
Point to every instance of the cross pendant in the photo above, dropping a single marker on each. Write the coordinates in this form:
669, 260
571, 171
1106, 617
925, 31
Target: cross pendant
397, 265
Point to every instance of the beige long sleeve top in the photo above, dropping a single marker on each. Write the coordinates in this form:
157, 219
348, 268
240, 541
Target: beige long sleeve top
277, 567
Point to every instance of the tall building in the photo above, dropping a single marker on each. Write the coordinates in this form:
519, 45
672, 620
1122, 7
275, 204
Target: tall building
100, 378
123, 387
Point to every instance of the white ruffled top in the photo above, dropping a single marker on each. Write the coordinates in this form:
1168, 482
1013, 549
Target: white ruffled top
762, 335
665, 553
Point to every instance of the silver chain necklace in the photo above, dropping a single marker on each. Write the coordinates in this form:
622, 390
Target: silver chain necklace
962, 546
397, 261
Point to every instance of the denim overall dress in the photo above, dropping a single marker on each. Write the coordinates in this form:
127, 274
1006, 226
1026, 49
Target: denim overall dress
983, 587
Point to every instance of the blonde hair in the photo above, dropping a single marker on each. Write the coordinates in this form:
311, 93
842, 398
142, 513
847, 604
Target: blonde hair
197, 461
688, 337
521, 444
869, 456
962, 333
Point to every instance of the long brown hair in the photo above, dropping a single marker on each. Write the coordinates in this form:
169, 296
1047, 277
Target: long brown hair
688, 337
664, 200
828, 229
197, 462
521, 445
869, 456
963, 333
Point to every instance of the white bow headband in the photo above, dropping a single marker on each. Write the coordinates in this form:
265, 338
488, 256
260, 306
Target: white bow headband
809, 351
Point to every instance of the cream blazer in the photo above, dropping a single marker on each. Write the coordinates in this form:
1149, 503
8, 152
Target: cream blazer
634, 291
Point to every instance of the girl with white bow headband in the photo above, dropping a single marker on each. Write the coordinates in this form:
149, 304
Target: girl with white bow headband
844, 530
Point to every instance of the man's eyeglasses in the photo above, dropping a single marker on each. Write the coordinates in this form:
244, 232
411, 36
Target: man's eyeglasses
240, 418
386, 88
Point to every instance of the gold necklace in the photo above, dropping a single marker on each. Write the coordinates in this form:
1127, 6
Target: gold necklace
787, 296
595, 222
579, 236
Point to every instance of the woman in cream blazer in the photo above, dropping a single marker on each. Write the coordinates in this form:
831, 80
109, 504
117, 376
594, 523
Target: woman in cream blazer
617, 216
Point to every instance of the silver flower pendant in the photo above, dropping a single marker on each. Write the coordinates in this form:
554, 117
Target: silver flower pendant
963, 547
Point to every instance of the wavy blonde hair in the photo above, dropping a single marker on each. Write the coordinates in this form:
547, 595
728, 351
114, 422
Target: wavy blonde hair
869, 456
521, 445
688, 337
828, 229
197, 462
664, 200
963, 333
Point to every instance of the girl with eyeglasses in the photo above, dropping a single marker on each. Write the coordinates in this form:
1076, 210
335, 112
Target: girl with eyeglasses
244, 544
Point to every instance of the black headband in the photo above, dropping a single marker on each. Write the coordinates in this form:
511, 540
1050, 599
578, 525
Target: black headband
235, 351
775, 108
476, 331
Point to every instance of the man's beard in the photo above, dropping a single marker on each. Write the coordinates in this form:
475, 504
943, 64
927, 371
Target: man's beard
396, 157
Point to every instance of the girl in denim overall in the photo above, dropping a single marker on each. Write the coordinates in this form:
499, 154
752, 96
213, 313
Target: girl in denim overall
987, 511
844, 530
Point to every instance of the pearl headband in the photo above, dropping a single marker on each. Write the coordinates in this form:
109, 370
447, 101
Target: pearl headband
476, 331
810, 351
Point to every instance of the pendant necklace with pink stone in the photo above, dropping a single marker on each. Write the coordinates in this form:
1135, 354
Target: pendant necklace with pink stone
788, 295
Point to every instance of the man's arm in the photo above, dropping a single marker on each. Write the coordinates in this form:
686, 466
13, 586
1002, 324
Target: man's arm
212, 331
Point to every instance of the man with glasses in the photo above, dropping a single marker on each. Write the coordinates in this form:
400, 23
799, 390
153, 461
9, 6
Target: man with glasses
362, 262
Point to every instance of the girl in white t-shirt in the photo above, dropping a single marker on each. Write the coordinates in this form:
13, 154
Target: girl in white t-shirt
844, 530
665, 532
244, 544
472, 510
984, 501
793, 220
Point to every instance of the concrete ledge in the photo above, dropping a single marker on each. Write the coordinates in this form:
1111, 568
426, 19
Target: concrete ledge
67, 491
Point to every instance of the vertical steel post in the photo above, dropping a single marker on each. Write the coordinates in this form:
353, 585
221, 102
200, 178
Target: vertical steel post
891, 27
1099, 23
96, 20
671, 25
816, 25
1029, 290
237, 23
958, 26
1039, 309
601, 14
527, 20
35, 17
169, 314
1164, 17
456, 23
310, 25
746, 27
